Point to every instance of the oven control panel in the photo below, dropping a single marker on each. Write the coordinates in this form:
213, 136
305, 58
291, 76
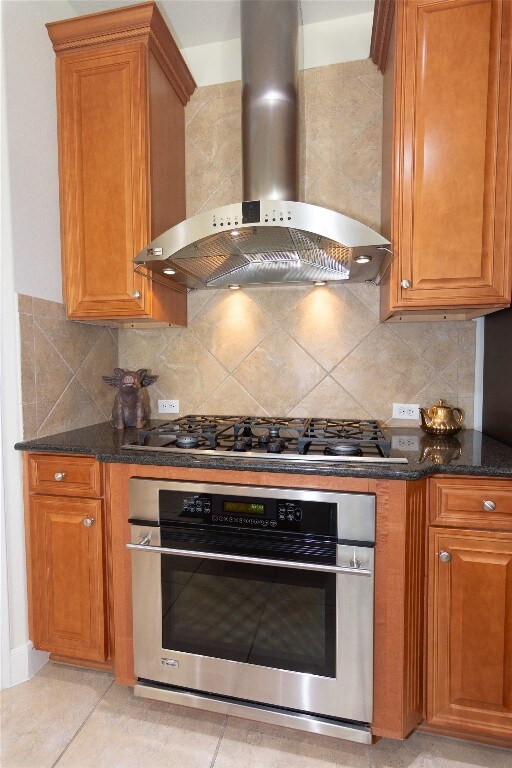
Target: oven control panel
272, 514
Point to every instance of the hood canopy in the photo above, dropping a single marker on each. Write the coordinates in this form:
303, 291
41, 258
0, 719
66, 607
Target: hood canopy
269, 238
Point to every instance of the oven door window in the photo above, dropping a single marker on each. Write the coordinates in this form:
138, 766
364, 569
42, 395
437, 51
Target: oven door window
282, 618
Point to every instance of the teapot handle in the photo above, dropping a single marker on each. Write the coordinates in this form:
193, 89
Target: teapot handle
458, 414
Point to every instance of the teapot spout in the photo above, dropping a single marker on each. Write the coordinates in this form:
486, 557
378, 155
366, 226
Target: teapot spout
426, 419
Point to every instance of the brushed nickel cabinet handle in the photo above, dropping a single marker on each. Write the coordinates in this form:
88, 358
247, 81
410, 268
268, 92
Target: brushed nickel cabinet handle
445, 557
59, 476
405, 283
489, 506
136, 294
88, 521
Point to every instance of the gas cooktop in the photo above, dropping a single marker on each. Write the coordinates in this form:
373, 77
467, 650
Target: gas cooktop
326, 440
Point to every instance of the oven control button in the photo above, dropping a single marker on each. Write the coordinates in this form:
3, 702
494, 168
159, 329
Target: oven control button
215, 517
298, 513
273, 523
290, 516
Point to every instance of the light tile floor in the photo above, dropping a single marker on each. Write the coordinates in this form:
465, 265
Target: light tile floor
67, 717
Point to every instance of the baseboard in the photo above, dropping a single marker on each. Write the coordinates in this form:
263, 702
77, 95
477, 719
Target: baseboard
25, 662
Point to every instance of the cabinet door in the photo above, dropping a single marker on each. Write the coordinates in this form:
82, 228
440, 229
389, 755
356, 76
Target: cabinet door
470, 631
451, 142
68, 574
103, 180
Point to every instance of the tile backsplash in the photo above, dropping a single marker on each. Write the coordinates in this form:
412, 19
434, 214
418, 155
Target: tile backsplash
287, 350
62, 363
299, 350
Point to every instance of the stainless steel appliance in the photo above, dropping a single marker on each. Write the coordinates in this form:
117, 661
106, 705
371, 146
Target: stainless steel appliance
270, 237
255, 601
251, 437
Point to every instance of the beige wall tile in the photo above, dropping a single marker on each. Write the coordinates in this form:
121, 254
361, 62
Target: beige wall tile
25, 304
382, 371
279, 373
48, 308
101, 361
27, 359
52, 375
328, 323
188, 372
29, 421
329, 399
230, 326
232, 396
73, 341
74, 408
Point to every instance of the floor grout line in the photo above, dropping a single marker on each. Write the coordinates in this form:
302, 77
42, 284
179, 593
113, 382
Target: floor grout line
217, 748
57, 761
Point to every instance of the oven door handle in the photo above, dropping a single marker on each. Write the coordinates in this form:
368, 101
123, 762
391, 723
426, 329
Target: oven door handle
143, 547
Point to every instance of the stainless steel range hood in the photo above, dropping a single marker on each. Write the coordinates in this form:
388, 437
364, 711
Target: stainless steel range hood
269, 238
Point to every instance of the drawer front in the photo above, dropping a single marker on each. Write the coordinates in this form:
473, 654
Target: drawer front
64, 475
478, 502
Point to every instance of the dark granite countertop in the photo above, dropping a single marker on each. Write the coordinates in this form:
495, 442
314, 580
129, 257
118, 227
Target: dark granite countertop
469, 453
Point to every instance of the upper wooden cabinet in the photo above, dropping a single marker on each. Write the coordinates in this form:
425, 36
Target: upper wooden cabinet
122, 86
447, 170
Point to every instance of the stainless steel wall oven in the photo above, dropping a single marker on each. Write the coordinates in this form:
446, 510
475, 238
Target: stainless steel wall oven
255, 601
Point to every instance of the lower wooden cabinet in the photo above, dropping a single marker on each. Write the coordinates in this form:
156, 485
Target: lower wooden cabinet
470, 632
68, 577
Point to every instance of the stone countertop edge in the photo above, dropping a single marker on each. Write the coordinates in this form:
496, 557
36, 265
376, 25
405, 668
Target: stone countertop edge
498, 458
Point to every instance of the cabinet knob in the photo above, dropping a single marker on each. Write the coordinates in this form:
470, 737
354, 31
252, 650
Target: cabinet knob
489, 506
136, 294
59, 476
445, 557
88, 521
405, 283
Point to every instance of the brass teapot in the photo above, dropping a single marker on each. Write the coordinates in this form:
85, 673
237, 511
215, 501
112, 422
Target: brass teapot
441, 419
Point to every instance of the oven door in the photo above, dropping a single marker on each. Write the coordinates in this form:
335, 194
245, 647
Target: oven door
294, 635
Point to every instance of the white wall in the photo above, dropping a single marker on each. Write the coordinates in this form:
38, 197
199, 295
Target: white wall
322, 43
30, 264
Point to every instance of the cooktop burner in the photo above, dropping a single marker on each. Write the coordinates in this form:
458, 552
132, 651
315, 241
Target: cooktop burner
312, 439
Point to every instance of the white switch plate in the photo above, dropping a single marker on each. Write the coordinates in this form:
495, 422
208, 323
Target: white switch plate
406, 411
168, 406
405, 443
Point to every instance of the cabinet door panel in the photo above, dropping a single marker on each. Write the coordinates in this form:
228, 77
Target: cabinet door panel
104, 179
451, 191
470, 632
68, 577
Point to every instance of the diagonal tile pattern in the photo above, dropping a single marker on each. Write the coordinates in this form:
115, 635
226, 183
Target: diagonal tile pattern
61, 367
277, 350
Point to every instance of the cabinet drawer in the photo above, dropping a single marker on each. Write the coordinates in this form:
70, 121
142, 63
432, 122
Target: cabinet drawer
64, 475
454, 501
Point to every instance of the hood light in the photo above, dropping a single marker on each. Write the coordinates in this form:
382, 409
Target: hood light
320, 282
234, 287
362, 259
169, 271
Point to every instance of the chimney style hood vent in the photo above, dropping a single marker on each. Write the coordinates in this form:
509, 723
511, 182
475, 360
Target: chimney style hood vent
269, 238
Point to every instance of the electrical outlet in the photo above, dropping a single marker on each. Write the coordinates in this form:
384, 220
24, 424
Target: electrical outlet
405, 443
168, 406
406, 411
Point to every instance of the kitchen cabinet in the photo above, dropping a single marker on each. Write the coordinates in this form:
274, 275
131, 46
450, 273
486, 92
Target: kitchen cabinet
447, 160
66, 558
122, 86
469, 675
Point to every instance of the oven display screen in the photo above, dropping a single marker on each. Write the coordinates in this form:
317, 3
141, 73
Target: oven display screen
243, 508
